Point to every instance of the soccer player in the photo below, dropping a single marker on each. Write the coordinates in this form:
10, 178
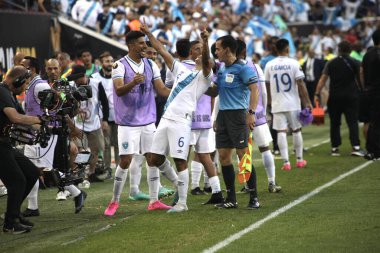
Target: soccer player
287, 90
261, 133
135, 78
174, 131
202, 135
238, 96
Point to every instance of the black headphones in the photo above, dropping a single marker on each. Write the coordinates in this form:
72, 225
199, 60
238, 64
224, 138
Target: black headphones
19, 81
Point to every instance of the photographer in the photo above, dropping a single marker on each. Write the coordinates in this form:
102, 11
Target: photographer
88, 118
17, 172
42, 157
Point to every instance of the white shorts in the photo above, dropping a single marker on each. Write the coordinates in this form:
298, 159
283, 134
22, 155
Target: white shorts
283, 120
135, 140
42, 157
261, 135
172, 138
203, 140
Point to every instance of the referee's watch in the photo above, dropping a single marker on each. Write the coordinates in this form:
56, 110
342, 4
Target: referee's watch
252, 112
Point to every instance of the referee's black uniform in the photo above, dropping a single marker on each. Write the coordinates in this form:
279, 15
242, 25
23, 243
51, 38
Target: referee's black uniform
17, 172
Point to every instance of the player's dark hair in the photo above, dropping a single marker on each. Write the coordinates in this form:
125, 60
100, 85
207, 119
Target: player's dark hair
228, 42
281, 45
344, 48
241, 47
213, 50
132, 36
33, 63
183, 48
376, 37
82, 51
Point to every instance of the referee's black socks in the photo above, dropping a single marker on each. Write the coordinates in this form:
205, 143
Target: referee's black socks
229, 180
252, 183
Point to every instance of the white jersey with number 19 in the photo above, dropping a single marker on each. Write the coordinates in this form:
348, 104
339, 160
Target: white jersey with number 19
282, 74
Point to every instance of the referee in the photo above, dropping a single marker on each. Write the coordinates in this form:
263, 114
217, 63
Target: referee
238, 96
17, 172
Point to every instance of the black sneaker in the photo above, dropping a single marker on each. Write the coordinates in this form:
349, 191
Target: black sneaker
16, 228
371, 157
197, 191
93, 178
31, 213
216, 198
227, 205
25, 222
207, 189
253, 203
79, 201
335, 152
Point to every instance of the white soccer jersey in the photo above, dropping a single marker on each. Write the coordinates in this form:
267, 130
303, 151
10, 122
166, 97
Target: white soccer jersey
88, 120
107, 84
188, 87
282, 74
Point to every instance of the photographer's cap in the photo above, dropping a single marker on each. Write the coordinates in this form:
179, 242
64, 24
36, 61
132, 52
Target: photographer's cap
77, 71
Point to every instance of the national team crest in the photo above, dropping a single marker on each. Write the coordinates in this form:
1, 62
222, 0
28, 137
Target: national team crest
125, 145
114, 66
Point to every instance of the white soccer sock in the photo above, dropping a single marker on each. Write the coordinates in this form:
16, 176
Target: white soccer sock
33, 196
215, 184
168, 171
153, 183
298, 145
206, 179
283, 145
118, 185
183, 186
74, 191
196, 173
135, 174
269, 166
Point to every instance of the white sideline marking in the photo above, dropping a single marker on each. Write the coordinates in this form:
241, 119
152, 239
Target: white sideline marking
283, 209
318, 144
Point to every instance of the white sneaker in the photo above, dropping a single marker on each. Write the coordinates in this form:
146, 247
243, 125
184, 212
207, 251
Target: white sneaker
3, 191
84, 185
61, 196
178, 208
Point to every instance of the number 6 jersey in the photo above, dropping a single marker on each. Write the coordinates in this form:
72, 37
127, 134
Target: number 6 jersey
282, 74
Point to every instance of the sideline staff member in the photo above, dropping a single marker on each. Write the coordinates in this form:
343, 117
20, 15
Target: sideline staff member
17, 172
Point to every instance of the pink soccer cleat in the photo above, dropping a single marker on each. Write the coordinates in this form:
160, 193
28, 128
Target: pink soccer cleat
111, 209
286, 166
158, 205
301, 164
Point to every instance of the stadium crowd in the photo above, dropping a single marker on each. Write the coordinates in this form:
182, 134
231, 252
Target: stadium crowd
263, 71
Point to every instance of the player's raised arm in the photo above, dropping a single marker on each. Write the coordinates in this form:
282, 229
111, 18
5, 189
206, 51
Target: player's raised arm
168, 58
206, 63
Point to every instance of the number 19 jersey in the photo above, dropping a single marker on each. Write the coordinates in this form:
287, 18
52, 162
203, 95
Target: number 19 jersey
282, 74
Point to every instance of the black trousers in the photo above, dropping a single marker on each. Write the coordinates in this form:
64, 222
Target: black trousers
373, 138
311, 87
350, 108
19, 175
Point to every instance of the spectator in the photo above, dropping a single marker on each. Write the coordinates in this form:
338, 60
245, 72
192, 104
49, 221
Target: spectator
119, 26
104, 20
86, 12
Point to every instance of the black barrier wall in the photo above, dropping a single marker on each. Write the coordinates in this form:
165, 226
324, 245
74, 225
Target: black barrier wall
25, 32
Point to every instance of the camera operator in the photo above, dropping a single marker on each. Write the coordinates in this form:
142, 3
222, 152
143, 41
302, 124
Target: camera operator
42, 157
88, 118
17, 172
